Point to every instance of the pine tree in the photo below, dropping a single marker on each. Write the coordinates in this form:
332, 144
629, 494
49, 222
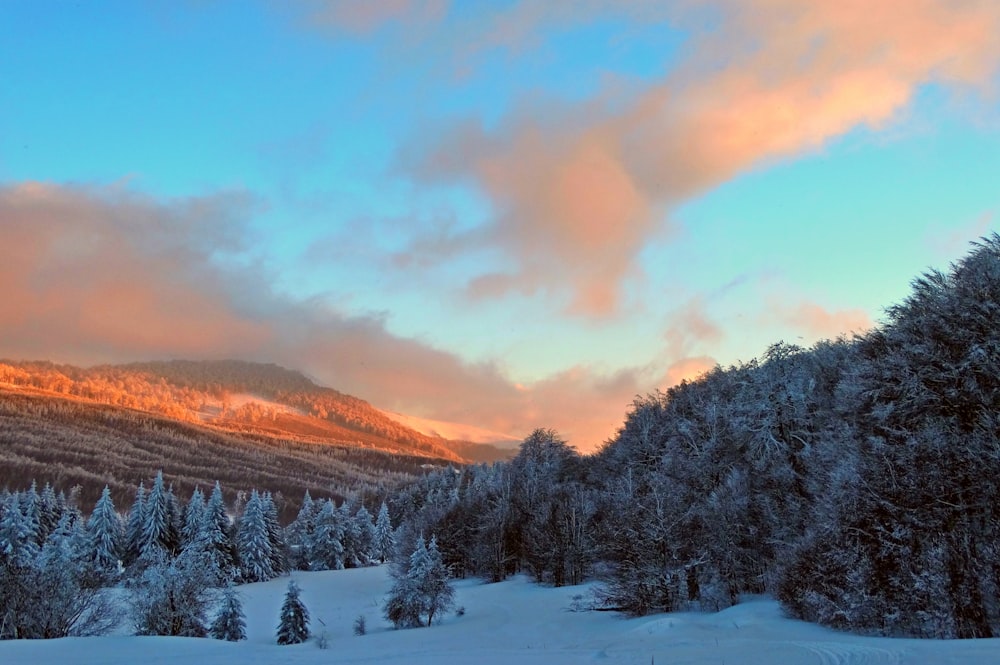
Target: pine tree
364, 537
156, 520
222, 550
253, 545
327, 546
300, 534
194, 519
133, 528
384, 541
437, 594
422, 589
275, 536
18, 535
104, 534
294, 625
230, 623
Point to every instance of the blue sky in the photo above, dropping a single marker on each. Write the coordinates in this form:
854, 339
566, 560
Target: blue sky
510, 214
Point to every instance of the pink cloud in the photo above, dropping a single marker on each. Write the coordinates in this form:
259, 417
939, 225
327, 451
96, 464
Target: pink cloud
96, 275
817, 322
578, 189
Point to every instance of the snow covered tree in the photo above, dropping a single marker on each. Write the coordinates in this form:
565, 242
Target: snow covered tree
172, 595
327, 545
383, 540
194, 518
104, 535
134, 525
294, 625
230, 623
275, 536
361, 551
256, 554
422, 589
222, 550
299, 534
18, 534
156, 526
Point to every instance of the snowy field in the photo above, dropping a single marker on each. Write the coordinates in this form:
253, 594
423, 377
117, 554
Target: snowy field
512, 622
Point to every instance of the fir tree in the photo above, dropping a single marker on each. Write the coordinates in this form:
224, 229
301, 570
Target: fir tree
327, 545
383, 539
133, 528
294, 625
222, 550
300, 534
253, 544
275, 537
194, 519
156, 527
104, 536
230, 623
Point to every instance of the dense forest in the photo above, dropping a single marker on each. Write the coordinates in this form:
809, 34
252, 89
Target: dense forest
67, 443
857, 481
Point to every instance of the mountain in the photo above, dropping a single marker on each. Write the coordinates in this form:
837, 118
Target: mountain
215, 401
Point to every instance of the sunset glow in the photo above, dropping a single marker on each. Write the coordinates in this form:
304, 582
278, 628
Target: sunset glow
507, 215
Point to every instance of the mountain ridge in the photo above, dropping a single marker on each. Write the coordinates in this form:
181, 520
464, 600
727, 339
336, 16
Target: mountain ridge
243, 396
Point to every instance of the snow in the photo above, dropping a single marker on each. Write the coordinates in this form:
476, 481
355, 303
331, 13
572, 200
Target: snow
511, 622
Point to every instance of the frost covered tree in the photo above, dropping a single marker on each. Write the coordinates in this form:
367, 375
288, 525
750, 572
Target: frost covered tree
104, 538
275, 535
383, 541
362, 538
134, 525
172, 595
256, 555
422, 589
299, 534
294, 624
230, 622
194, 518
156, 524
216, 532
327, 544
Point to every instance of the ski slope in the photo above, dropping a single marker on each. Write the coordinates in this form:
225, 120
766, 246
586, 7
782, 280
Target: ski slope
512, 622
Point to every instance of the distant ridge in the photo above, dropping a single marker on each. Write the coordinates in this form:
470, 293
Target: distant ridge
245, 397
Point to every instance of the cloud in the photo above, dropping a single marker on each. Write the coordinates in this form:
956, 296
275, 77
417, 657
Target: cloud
104, 274
817, 322
577, 189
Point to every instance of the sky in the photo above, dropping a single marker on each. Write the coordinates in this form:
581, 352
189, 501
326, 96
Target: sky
510, 214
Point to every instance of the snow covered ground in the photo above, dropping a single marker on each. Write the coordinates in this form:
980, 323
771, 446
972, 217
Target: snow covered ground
512, 622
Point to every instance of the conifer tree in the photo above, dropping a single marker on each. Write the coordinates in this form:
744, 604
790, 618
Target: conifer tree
134, 525
222, 550
383, 540
156, 520
294, 625
194, 519
327, 545
253, 545
18, 535
230, 623
300, 534
104, 536
274, 534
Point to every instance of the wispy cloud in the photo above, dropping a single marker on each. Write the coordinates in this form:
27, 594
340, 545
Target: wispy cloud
105, 274
577, 189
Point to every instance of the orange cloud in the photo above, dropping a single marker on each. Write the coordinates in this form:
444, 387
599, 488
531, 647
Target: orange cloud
94, 275
578, 189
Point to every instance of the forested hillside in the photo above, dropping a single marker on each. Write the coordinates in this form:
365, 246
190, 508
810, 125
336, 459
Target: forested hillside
68, 442
244, 397
858, 480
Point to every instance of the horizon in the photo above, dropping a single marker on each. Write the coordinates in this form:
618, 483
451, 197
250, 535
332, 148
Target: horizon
510, 215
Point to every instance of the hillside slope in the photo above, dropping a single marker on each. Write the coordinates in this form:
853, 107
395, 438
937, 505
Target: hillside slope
67, 441
243, 397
